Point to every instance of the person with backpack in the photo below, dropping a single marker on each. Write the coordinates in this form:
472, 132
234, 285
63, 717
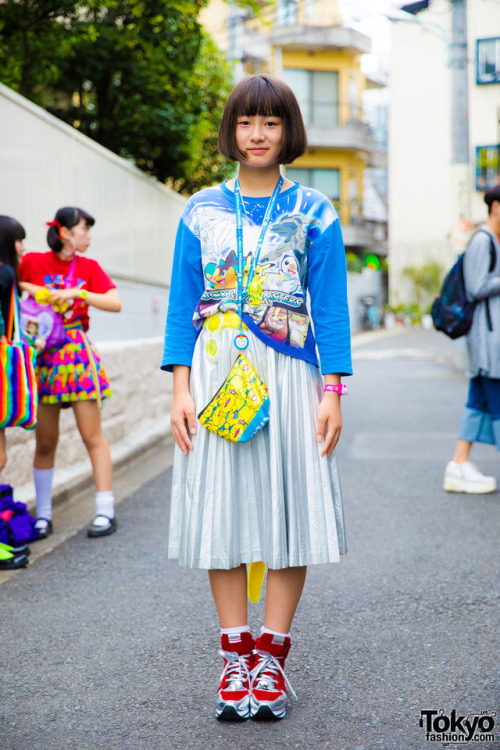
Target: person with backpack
481, 418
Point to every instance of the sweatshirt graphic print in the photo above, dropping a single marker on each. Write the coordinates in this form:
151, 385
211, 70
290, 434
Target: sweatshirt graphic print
302, 252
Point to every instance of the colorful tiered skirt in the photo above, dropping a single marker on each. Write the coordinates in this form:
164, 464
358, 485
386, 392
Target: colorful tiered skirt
274, 499
71, 372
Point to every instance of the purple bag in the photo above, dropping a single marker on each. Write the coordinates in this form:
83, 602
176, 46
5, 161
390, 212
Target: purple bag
41, 321
17, 527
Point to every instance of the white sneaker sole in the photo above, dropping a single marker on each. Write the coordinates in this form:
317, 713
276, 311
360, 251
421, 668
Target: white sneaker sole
453, 484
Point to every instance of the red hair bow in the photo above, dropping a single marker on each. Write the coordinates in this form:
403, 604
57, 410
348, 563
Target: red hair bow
55, 224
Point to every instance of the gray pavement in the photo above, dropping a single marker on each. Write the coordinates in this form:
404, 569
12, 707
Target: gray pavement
107, 645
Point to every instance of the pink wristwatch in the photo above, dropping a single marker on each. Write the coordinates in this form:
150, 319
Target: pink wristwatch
339, 388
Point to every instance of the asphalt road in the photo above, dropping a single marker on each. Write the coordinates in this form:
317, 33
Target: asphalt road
107, 645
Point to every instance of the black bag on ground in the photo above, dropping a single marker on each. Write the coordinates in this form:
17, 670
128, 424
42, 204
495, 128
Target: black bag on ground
452, 312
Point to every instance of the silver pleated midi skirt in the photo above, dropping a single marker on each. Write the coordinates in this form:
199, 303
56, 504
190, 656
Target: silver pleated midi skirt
273, 499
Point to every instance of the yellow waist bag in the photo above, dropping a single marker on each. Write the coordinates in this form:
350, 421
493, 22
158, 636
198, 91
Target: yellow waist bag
240, 408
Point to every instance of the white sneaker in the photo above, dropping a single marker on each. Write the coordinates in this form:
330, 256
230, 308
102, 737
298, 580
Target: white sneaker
466, 477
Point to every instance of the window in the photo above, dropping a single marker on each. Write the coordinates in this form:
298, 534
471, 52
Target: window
487, 167
286, 12
317, 94
326, 181
488, 61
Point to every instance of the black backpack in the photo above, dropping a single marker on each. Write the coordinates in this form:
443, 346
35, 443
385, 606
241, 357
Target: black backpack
452, 312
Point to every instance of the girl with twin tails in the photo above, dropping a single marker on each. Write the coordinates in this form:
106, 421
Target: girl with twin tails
247, 253
71, 374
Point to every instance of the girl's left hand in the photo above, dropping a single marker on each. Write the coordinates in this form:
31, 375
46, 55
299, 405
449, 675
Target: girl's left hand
63, 295
329, 423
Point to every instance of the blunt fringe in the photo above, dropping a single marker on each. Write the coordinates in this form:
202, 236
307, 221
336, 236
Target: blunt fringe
266, 96
67, 217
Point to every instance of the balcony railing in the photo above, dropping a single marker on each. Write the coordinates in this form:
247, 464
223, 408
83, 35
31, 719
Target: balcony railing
350, 213
357, 230
337, 125
320, 37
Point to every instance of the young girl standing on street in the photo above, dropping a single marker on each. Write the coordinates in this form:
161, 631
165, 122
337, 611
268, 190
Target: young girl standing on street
71, 375
246, 254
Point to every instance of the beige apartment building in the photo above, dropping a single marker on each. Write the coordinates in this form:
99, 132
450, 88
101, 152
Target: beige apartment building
304, 43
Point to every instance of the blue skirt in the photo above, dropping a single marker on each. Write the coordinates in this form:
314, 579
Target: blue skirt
481, 417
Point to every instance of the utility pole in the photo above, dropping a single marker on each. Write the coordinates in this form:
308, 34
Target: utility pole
460, 159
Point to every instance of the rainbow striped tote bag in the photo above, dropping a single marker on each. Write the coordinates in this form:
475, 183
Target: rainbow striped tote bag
18, 387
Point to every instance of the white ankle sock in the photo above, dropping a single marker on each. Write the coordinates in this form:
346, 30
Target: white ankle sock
234, 631
43, 489
273, 632
104, 507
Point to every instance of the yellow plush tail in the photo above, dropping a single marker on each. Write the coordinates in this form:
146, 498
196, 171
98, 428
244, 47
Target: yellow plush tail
256, 573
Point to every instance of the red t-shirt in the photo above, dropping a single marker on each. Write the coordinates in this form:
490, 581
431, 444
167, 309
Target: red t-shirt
47, 269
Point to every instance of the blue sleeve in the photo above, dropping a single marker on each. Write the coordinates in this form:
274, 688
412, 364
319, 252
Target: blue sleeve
327, 284
186, 288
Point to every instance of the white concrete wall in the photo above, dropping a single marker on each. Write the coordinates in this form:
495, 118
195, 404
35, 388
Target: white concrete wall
143, 315
419, 151
45, 164
422, 186
140, 402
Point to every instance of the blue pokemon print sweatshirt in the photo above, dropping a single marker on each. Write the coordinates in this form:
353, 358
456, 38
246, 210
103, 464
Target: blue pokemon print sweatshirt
303, 254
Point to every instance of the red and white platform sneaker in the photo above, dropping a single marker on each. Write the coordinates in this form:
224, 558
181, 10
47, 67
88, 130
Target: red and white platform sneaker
270, 686
233, 695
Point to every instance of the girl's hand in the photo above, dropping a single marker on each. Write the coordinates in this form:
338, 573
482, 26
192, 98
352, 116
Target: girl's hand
329, 422
63, 295
182, 418
3, 340
40, 345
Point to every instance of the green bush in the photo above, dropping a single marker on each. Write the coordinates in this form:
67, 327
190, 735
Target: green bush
355, 264
426, 280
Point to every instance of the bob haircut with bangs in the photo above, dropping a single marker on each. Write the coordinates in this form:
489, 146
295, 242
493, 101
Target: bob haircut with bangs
266, 96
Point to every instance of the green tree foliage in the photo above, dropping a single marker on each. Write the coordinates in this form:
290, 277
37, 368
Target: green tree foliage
426, 280
138, 76
204, 165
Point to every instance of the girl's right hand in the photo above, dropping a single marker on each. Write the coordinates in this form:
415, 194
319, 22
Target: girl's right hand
183, 420
40, 345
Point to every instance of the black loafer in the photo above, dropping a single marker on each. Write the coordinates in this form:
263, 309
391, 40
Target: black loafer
17, 561
44, 533
109, 528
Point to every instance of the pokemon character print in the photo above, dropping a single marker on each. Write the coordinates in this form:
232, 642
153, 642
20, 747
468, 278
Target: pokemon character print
276, 310
300, 274
240, 408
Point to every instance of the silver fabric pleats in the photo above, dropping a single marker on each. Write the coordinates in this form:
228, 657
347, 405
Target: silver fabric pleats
273, 499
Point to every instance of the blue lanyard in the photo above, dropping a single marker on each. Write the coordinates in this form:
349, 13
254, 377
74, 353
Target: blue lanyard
242, 291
